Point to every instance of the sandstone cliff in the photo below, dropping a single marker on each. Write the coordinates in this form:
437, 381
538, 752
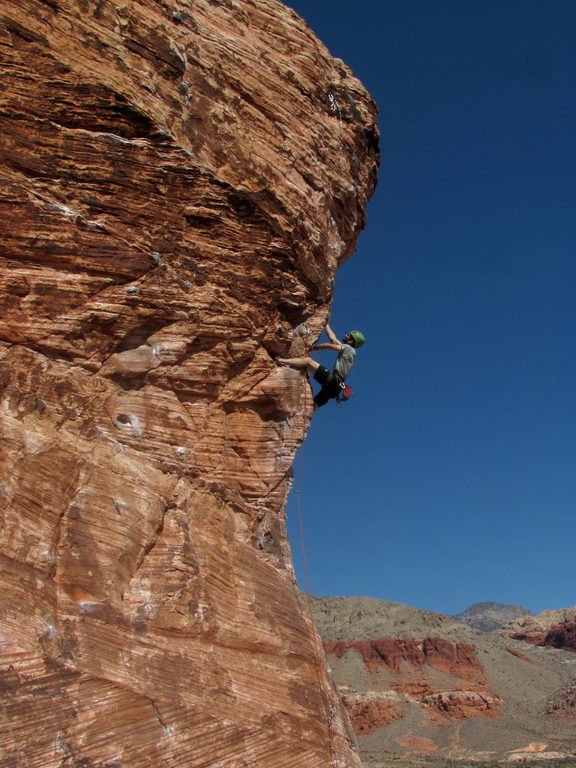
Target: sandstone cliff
180, 182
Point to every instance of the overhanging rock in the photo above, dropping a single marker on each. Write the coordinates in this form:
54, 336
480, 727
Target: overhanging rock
180, 183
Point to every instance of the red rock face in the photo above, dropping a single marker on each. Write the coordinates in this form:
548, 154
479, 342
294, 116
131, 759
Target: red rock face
179, 187
461, 705
412, 664
368, 715
456, 659
561, 636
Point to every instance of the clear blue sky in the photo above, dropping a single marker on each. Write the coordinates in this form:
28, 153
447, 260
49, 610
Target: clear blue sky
450, 478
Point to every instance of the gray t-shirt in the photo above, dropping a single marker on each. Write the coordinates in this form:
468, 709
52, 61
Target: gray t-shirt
345, 360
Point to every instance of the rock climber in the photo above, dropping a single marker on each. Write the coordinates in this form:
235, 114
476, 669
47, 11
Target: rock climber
332, 382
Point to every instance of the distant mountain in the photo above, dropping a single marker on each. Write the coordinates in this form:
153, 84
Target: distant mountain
490, 616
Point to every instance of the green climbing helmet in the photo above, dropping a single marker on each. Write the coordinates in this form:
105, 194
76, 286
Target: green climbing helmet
358, 338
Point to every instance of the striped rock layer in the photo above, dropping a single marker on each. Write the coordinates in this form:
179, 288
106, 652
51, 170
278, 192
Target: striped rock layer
180, 181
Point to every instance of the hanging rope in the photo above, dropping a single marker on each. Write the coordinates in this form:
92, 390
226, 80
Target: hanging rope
301, 525
318, 656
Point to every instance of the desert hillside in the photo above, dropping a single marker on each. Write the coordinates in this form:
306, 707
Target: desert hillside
423, 685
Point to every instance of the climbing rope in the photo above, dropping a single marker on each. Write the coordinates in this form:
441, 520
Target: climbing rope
318, 657
298, 491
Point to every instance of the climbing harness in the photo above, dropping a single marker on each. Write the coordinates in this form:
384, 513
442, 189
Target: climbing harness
345, 390
344, 395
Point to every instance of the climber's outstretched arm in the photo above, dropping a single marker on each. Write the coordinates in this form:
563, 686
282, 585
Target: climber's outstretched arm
332, 336
335, 347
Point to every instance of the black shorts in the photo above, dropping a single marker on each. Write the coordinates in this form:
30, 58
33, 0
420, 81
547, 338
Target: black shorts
322, 375
330, 386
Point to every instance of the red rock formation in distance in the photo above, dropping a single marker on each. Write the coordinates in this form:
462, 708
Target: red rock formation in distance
369, 715
412, 666
552, 629
180, 181
458, 659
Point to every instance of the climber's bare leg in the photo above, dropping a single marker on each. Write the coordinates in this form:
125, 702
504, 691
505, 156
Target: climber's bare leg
302, 363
